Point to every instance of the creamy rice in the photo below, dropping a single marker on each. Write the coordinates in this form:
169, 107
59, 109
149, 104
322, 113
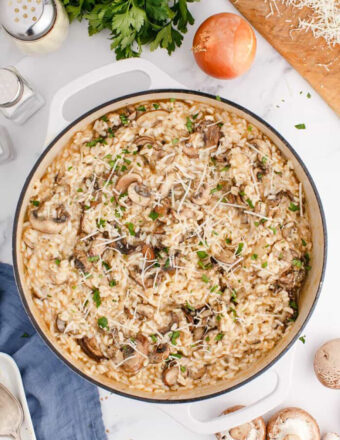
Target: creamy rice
165, 247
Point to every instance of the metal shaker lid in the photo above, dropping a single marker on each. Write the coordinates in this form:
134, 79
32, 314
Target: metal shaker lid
27, 20
10, 88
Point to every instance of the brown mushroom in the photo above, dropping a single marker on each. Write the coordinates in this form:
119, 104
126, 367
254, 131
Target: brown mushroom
49, 225
254, 430
170, 375
148, 252
124, 247
144, 140
97, 247
60, 324
135, 354
192, 146
293, 423
91, 348
327, 364
150, 118
212, 135
145, 311
159, 354
202, 196
167, 185
174, 319
126, 180
139, 193
198, 374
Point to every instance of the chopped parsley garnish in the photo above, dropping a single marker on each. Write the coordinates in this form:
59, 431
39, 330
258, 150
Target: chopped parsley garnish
309, 95
202, 255
141, 108
183, 368
104, 118
113, 283
293, 305
250, 203
195, 116
264, 265
106, 265
174, 141
189, 125
205, 279
226, 168
101, 222
189, 307
80, 190
25, 335
174, 336
57, 261
156, 106
35, 203
218, 98
103, 323
96, 297
177, 355
250, 128
303, 242
297, 263
254, 257
69, 168
123, 194
92, 259
124, 119
218, 188
264, 159
153, 338
131, 228
94, 142
292, 207
302, 339
300, 126
218, 317
239, 249
273, 230
167, 263
233, 296
153, 215
219, 336
172, 99
228, 240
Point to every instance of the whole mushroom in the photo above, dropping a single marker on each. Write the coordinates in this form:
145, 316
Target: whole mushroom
254, 430
327, 364
293, 424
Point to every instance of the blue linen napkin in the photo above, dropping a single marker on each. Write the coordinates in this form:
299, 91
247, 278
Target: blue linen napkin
63, 405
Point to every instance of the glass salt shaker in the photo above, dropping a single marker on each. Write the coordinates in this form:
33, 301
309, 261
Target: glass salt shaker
6, 149
18, 101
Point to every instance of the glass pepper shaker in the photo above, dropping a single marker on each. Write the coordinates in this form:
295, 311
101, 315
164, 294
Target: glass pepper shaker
18, 101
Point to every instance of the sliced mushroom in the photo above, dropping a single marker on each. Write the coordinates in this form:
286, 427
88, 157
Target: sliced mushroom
327, 364
126, 180
148, 252
163, 210
81, 262
135, 356
192, 146
60, 324
293, 423
149, 119
167, 185
144, 140
145, 311
174, 319
146, 282
198, 374
91, 348
140, 194
212, 135
97, 247
170, 375
254, 430
291, 278
52, 225
202, 196
261, 145
159, 354
124, 247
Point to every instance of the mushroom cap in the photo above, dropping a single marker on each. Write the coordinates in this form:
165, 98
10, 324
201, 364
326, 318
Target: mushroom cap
292, 422
244, 432
327, 364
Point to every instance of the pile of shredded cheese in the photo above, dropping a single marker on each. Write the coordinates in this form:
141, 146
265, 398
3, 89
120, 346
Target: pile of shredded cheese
325, 20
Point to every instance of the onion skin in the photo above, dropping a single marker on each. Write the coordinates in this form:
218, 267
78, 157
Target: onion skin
224, 46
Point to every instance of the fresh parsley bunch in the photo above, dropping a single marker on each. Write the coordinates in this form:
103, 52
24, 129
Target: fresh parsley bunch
134, 23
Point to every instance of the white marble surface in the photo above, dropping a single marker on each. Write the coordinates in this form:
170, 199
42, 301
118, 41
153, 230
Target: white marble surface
272, 89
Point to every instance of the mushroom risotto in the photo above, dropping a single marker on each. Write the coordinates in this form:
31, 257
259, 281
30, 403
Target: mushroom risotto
166, 245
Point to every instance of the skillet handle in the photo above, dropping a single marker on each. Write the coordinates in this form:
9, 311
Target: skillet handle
158, 79
183, 413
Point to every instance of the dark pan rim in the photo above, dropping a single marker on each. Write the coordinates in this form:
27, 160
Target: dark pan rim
21, 290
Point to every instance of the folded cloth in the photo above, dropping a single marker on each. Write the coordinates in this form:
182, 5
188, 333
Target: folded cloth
63, 405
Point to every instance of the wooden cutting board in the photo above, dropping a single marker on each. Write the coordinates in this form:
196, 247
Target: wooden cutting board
318, 63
